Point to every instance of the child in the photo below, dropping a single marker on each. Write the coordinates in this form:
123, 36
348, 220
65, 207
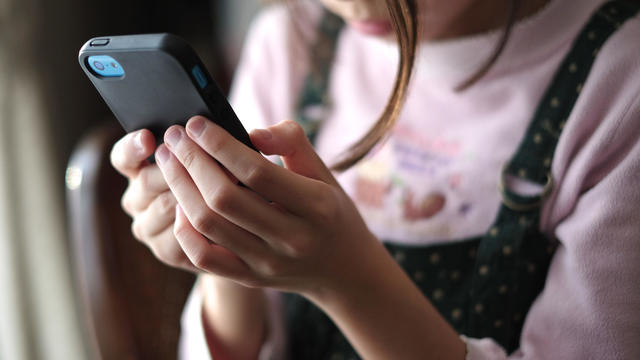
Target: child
497, 217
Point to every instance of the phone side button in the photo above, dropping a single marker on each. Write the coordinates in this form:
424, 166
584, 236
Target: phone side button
99, 42
198, 74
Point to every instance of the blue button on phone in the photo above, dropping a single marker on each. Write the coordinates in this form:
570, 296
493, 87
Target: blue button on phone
106, 66
198, 74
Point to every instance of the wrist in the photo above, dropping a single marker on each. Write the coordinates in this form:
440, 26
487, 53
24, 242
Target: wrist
356, 279
384, 315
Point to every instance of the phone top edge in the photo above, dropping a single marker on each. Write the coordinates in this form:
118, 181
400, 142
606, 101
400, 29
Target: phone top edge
159, 41
178, 50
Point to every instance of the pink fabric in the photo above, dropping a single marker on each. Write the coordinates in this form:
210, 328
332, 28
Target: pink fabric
448, 147
193, 342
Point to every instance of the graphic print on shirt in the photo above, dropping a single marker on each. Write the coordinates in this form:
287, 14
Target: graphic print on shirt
424, 208
397, 183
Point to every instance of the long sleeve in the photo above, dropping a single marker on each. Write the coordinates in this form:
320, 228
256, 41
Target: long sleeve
193, 342
589, 308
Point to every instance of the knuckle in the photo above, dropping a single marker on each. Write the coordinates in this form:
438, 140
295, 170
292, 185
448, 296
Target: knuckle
166, 202
189, 158
222, 199
136, 231
271, 268
204, 223
216, 143
143, 179
200, 260
325, 207
126, 202
297, 249
180, 231
174, 177
116, 155
168, 255
256, 175
294, 129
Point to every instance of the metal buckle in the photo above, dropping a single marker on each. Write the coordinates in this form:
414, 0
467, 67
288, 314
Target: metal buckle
521, 207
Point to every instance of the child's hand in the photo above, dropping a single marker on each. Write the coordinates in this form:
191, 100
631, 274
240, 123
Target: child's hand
235, 314
148, 199
307, 237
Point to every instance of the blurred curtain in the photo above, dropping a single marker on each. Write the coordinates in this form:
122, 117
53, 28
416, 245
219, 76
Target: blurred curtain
37, 305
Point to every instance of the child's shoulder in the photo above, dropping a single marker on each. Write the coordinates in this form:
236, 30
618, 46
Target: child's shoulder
625, 42
607, 114
617, 67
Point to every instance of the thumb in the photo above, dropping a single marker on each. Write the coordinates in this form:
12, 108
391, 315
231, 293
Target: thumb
288, 140
130, 153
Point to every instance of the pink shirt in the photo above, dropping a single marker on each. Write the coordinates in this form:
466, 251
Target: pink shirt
451, 145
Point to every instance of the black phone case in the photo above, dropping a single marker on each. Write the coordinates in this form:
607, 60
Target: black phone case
158, 88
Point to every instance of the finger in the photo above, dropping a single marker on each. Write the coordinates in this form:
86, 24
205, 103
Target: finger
165, 247
157, 217
206, 221
144, 188
236, 204
252, 169
129, 154
288, 140
206, 256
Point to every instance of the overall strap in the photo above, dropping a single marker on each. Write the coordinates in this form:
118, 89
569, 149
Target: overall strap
513, 257
314, 101
562, 94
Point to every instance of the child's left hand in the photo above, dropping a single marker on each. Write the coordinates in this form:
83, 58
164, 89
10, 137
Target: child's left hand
307, 238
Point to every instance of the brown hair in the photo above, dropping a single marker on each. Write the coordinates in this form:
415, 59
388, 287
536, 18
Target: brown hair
404, 19
403, 14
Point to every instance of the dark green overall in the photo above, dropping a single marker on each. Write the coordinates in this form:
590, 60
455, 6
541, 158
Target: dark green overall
482, 286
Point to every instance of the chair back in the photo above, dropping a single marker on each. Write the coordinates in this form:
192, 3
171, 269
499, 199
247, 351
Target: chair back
132, 303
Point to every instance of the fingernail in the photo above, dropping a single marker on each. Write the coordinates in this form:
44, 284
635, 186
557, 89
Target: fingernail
173, 136
263, 134
162, 155
196, 126
137, 142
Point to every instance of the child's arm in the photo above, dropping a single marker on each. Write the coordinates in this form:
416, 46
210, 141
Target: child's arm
234, 318
309, 238
385, 316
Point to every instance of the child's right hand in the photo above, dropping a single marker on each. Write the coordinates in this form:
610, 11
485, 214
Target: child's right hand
148, 199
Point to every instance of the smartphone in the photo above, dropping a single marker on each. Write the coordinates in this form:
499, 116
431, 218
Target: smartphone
153, 81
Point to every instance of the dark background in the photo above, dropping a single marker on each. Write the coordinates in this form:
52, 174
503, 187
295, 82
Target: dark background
39, 71
70, 97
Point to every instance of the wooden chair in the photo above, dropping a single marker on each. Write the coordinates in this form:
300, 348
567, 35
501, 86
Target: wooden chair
131, 302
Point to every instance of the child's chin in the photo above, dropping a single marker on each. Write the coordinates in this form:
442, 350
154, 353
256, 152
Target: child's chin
380, 28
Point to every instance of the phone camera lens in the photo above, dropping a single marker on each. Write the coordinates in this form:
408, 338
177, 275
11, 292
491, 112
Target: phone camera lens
104, 66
